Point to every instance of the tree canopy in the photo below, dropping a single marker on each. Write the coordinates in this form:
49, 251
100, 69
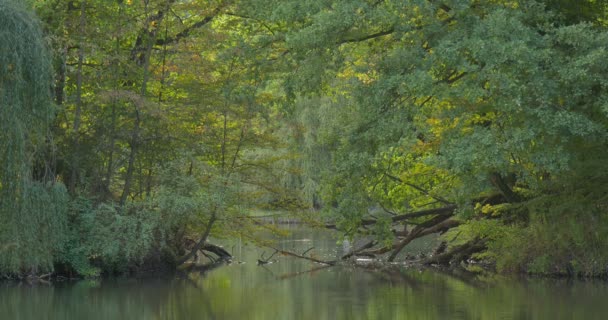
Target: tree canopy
136, 130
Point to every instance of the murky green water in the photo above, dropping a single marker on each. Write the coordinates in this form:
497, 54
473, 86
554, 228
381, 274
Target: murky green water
297, 289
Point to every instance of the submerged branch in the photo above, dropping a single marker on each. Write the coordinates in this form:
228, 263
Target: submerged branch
293, 254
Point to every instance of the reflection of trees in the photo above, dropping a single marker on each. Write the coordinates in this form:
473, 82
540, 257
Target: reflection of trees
308, 291
308, 272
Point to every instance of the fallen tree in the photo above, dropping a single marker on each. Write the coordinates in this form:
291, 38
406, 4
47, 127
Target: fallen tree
410, 226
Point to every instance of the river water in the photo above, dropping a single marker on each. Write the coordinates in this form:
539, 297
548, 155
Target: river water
291, 288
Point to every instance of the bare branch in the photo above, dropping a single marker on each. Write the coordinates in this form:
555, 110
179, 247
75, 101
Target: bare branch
289, 253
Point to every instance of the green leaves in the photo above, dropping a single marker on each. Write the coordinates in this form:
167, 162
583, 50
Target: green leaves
32, 214
458, 91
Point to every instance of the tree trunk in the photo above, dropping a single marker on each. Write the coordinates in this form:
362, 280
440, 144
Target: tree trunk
131, 165
77, 113
201, 242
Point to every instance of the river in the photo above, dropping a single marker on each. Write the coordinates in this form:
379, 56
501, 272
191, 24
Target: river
292, 288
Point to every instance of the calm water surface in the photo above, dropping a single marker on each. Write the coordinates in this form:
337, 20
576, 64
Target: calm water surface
295, 289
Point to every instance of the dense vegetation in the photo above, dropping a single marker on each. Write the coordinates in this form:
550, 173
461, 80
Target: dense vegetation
134, 130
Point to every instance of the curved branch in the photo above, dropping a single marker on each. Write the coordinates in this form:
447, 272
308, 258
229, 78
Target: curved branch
293, 254
186, 32
201, 242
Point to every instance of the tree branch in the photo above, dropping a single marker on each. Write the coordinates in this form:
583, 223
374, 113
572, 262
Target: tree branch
424, 191
367, 37
201, 242
435, 225
447, 210
293, 254
186, 32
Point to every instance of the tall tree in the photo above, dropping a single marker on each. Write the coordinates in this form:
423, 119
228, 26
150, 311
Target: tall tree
32, 213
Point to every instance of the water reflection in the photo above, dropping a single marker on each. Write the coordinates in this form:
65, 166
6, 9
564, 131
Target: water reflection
296, 289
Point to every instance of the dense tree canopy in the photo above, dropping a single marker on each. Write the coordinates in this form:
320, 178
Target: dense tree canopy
172, 121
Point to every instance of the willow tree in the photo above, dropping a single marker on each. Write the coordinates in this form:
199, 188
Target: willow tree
32, 214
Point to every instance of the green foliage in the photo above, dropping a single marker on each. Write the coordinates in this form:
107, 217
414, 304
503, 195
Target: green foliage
437, 99
36, 234
32, 214
567, 227
575, 11
367, 109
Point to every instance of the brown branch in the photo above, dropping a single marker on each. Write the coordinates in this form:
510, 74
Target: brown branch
263, 260
438, 224
305, 252
219, 251
355, 252
443, 211
432, 226
201, 242
186, 32
293, 254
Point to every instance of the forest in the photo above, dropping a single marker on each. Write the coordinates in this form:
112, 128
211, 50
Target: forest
134, 131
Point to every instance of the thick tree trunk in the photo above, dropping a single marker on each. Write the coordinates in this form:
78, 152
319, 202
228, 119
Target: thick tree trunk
201, 242
217, 250
499, 182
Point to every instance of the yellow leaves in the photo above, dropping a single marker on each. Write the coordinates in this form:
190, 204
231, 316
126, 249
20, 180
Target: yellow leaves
486, 209
265, 97
365, 77
480, 119
438, 126
492, 210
